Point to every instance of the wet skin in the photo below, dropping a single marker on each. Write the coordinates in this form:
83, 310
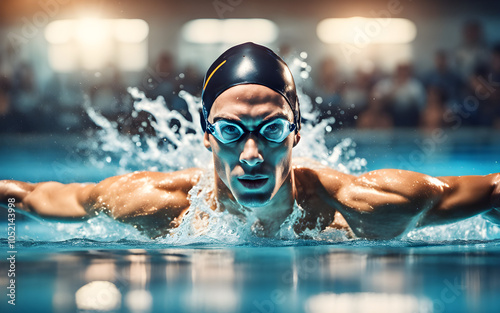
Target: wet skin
253, 174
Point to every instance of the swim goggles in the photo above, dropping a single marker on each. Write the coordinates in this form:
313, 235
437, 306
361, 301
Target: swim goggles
275, 131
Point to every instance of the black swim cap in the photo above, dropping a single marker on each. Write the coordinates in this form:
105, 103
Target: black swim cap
249, 63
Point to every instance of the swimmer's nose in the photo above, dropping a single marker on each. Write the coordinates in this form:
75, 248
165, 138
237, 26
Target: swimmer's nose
251, 154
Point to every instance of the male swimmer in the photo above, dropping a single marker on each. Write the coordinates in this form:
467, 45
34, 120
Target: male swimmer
251, 123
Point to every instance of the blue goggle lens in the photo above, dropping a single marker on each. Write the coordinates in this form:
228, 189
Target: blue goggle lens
275, 131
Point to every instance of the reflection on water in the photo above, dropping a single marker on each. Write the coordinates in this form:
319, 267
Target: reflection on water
98, 295
264, 279
367, 303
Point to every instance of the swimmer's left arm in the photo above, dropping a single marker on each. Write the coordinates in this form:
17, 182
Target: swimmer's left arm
464, 197
385, 204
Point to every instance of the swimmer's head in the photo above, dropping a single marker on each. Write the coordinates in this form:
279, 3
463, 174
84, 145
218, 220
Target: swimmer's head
249, 63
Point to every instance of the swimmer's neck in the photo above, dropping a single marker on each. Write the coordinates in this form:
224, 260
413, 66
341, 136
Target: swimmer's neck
270, 216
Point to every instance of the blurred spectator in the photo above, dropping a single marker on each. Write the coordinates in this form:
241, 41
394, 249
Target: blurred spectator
473, 52
161, 80
494, 81
191, 81
495, 66
285, 51
109, 95
4, 92
24, 99
443, 77
327, 91
4, 96
404, 94
165, 82
435, 108
355, 96
376, 116
483, 87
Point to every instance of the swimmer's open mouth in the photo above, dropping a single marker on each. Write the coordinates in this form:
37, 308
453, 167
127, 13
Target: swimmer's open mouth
253, 182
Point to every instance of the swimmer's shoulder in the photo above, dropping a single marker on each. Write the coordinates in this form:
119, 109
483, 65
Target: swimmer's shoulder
313, 174
182, 180
151, 201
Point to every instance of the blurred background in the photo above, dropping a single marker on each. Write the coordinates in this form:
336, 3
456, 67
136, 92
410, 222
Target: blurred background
369, 64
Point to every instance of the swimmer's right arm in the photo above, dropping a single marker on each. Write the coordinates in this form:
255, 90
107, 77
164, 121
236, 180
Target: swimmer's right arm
47, 199
150, 201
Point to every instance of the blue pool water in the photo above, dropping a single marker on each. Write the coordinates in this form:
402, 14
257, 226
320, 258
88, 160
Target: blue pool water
101, 265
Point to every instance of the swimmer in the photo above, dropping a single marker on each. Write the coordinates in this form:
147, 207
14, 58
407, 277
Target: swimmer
251, 123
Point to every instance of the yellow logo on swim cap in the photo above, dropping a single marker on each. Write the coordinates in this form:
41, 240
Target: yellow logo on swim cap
210, 76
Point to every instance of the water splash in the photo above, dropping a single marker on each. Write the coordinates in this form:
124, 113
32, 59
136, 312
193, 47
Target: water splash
175, 145
475, 228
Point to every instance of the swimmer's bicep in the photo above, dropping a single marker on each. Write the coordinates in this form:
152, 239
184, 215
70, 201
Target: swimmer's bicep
157, 218
388, 189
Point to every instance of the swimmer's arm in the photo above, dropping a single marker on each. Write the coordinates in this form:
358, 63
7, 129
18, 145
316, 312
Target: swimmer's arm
47, 199
384, 204
152, 202
464, 197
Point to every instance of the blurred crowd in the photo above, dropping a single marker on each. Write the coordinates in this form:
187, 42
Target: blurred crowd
461, 89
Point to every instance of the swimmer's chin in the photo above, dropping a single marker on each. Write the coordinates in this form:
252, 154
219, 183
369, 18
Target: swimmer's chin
253, 203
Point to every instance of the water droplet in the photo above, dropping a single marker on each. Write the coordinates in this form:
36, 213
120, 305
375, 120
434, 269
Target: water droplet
318, 100
303, 55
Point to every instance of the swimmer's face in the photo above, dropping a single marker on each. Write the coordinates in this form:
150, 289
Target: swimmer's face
252, 167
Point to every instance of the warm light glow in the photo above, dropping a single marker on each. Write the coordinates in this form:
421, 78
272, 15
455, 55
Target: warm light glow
93, 44
213, 31
132, 57
92, 31
363, 31
59, 32
96, 55
202, 31
131, 31
257, 30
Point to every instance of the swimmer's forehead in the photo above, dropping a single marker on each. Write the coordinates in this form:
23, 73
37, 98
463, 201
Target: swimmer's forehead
250, 103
